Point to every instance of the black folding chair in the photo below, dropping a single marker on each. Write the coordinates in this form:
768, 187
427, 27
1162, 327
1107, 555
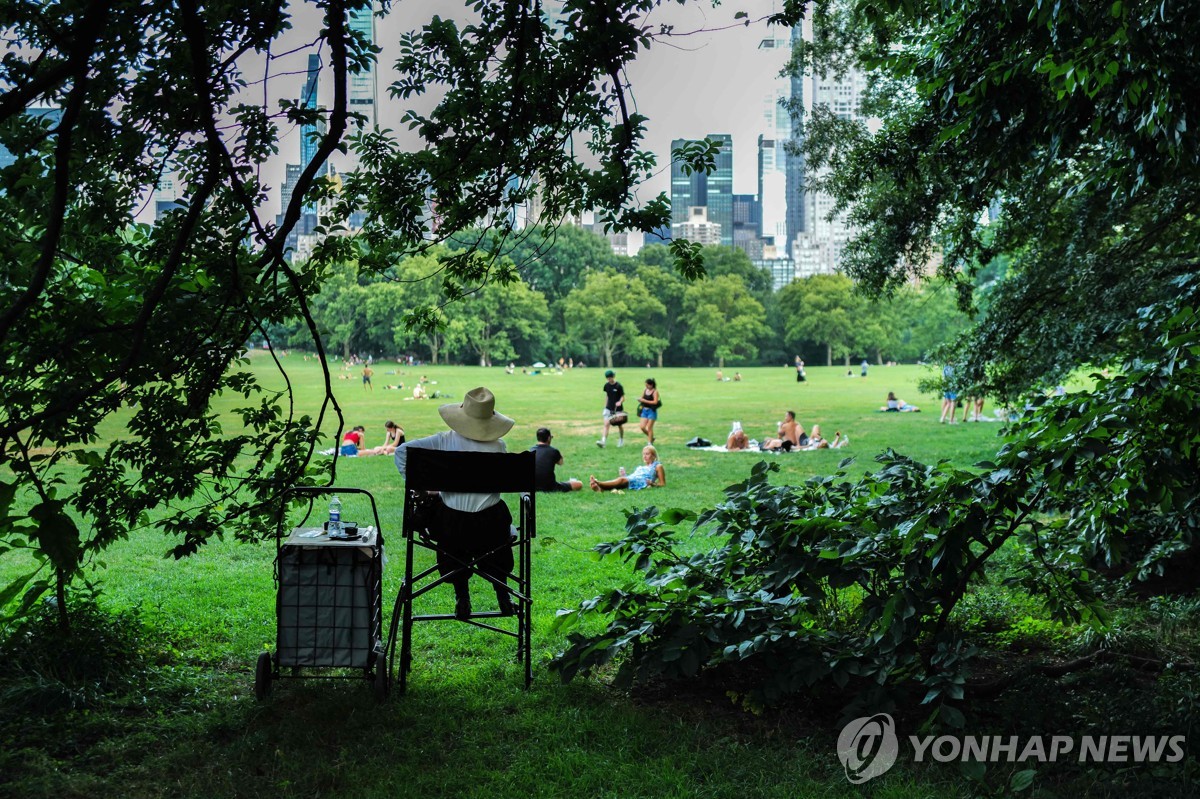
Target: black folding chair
466, 472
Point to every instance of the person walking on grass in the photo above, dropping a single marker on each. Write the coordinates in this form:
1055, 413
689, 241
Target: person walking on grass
949, 396
648, 409
614, 409
366, 377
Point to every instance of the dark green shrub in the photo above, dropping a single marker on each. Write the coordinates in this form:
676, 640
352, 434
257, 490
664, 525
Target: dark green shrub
105, 654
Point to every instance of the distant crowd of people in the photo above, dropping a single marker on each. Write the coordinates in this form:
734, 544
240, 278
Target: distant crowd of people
650, 474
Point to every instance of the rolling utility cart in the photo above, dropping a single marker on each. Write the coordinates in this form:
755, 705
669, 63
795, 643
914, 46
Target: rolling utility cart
328, 604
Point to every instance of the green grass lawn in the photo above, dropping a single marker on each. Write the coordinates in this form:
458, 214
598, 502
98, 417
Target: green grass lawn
466, 726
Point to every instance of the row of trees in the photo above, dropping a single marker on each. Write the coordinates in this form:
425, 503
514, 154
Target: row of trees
574, 298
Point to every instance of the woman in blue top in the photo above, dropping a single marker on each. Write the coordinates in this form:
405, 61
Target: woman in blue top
649, 475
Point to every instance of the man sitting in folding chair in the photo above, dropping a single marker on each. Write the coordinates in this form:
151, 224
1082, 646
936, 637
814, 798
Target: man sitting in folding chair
470, 525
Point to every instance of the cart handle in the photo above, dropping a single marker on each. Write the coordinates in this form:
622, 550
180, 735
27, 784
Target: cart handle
314, 491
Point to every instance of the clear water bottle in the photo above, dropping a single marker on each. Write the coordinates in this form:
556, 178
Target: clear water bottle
334, 528
621, 471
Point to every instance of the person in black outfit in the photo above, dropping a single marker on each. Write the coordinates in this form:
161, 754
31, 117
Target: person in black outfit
614, 409
546, 458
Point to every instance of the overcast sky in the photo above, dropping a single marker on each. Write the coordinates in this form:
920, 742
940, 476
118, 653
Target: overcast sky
711, 81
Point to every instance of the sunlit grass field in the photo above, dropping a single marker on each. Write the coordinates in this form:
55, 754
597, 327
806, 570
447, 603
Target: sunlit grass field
466, 726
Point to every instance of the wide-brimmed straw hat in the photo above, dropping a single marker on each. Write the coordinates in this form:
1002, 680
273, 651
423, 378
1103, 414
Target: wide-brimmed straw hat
475, 417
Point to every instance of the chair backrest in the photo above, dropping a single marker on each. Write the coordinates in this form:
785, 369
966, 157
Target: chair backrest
470, 472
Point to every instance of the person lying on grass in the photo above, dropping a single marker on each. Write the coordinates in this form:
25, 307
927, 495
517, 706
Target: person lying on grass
816, 441
649, 475
894, 404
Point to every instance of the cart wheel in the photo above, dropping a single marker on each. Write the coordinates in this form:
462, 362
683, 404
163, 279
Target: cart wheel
382, 677
262, 676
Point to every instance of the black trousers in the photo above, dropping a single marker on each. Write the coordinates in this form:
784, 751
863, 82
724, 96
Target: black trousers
462, 537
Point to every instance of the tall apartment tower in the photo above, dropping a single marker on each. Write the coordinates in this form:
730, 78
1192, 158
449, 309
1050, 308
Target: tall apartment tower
843, 97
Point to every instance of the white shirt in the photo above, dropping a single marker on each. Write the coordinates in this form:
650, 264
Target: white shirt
451, 441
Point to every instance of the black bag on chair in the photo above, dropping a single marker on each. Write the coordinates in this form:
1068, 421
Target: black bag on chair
425, 510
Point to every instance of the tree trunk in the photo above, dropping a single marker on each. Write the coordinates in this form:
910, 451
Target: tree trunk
660, 353
829, 355
60, 593
846, 359
721, 362
878, 357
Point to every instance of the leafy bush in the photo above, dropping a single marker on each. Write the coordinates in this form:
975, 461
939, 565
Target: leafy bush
832, 582
104, 655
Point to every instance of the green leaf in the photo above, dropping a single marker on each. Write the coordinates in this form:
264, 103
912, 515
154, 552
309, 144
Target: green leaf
56, 535
676, 515
15, 587
1021, 780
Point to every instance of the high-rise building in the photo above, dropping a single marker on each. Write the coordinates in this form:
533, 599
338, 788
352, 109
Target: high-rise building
773, 159
697, 227
687, 191
747, 225
166, 196
720, 188
842, 96
309, 134
363, 86
794, 169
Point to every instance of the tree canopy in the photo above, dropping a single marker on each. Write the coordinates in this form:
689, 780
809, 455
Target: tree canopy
1070, 119
100, 315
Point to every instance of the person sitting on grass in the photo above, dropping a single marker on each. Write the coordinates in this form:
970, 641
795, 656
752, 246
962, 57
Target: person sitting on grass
790, 434
649, 475
548, 457
352, 441
737, 439
393, 437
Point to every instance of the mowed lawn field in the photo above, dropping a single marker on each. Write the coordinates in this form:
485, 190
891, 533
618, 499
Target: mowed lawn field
467, 727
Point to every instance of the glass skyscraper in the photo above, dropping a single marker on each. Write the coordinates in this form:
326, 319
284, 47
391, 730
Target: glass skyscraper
309, 134
714, 192
720, 188
796, 199
687, 191
363, 98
